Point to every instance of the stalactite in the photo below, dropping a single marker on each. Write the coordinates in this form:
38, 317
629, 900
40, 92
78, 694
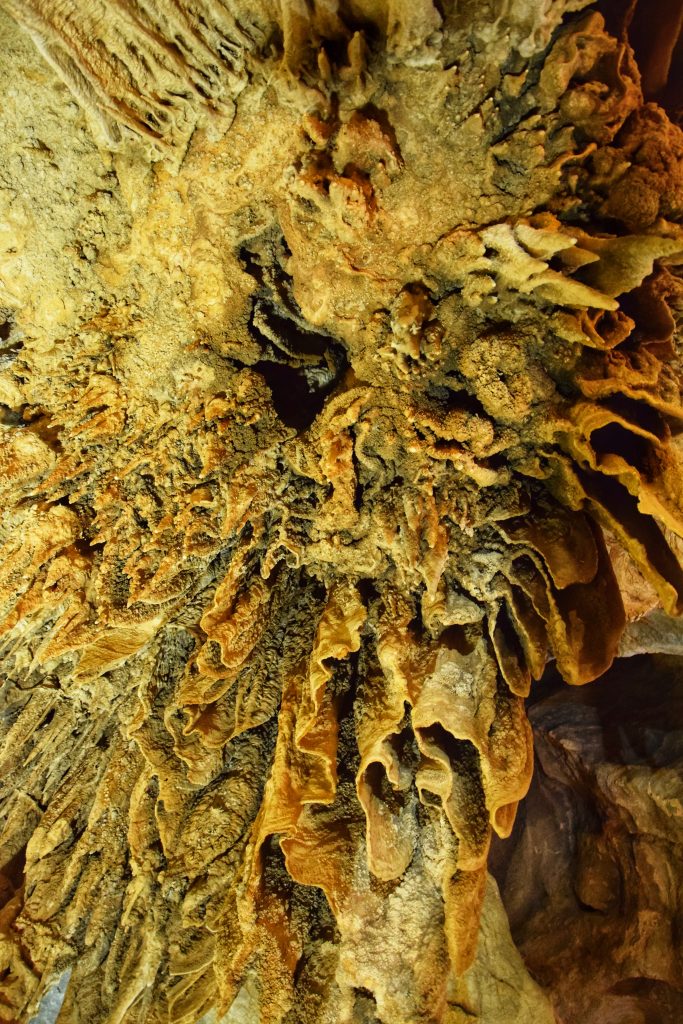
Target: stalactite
334, 391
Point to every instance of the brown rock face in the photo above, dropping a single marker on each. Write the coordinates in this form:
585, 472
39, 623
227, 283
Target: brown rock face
599, 917
340, 389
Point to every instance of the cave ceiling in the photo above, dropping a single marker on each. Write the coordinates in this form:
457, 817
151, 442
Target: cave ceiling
340, 393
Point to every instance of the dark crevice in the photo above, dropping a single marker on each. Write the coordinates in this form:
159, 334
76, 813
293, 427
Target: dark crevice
465, 401
638, 413
251, 264
296, 403
300, 365
10, 345
455, 638
462, 754
636, 450
12, 874
10, 417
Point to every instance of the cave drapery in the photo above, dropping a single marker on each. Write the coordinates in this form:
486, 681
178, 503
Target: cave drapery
339, 392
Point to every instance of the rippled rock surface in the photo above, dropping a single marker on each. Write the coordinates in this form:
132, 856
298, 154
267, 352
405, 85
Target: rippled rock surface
340, 391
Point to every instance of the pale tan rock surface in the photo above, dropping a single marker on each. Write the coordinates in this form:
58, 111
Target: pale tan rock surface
339, 342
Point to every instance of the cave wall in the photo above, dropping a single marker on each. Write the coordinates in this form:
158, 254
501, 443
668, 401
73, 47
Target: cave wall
339, 394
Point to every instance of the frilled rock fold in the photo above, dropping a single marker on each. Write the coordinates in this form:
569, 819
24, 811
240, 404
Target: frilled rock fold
340, 391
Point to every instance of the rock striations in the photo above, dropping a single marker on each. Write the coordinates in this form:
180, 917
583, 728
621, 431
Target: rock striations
340, 390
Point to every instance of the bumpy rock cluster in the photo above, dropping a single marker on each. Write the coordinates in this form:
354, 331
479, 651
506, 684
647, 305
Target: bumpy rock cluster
339, 358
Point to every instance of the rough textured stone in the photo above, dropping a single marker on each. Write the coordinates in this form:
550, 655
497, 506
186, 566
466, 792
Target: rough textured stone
340, 390
592, 877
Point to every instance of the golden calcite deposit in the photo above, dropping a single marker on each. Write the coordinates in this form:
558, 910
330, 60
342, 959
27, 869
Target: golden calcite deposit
339, 367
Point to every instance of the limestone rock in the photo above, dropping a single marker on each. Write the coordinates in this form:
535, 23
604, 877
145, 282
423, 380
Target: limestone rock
598, 917
340, 359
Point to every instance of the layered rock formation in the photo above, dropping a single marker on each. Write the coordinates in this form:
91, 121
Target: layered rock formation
340, 390
598, 918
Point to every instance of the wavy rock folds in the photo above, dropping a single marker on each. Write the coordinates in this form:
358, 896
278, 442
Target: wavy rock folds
340, 389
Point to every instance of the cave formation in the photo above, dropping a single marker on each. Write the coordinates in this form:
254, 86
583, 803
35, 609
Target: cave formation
340, 399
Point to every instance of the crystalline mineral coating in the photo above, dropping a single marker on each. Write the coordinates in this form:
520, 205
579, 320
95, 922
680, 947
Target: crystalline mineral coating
340, 391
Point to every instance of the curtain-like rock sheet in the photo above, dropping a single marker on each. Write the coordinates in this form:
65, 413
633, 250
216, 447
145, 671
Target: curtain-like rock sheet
340, 389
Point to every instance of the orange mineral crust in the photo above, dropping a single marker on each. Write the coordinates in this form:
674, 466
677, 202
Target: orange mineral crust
339, 392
